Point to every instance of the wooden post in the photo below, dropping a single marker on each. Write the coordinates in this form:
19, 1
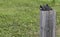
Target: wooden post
47, 23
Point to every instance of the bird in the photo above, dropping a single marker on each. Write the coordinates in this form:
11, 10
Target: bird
47, 7
42, 7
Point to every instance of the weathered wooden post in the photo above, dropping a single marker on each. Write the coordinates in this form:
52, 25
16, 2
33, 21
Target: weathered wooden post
47, 21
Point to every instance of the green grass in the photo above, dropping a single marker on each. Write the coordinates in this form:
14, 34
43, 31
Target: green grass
20, 18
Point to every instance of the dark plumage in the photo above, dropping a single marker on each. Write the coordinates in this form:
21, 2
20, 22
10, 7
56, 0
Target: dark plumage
48, 7
42, 7
45, 7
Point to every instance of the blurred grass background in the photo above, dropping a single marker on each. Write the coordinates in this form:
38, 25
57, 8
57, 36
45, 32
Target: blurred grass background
21, 18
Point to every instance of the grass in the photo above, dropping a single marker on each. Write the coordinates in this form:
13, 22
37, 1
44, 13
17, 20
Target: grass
20, 18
